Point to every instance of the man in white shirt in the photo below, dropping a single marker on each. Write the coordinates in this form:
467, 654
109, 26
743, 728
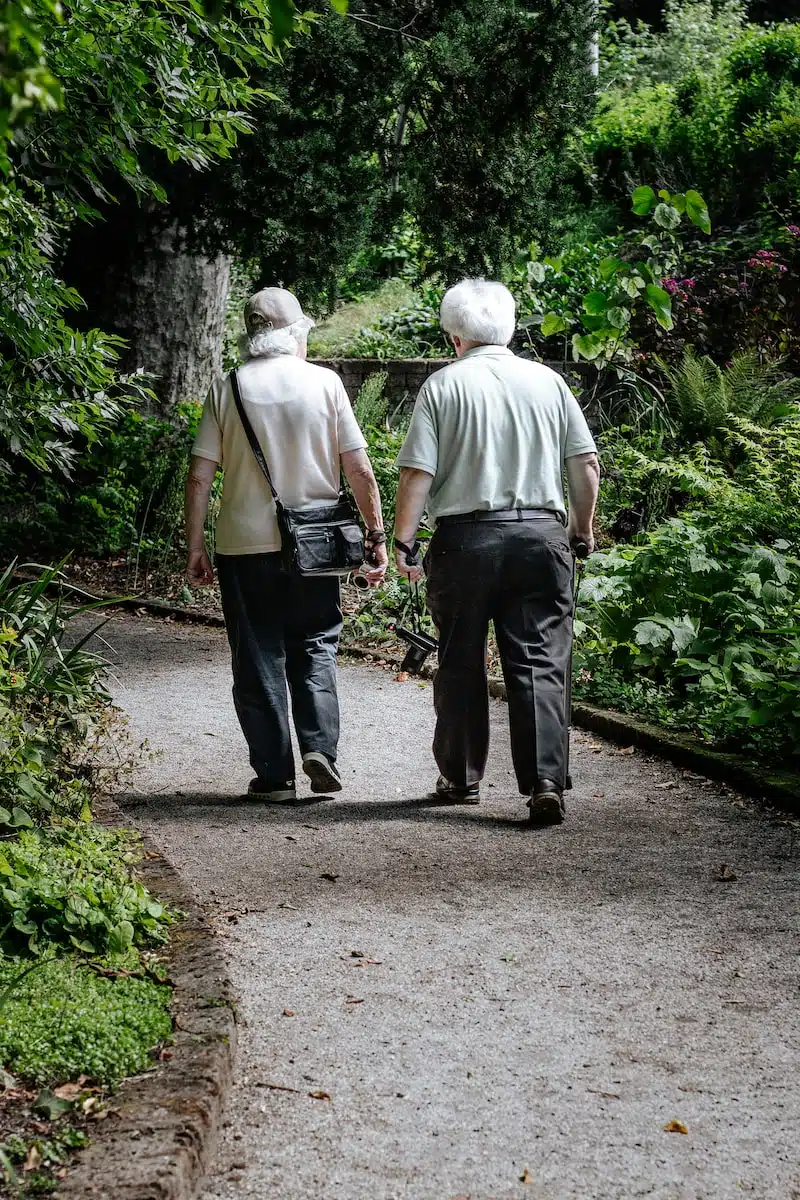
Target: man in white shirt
282, 628
485, 453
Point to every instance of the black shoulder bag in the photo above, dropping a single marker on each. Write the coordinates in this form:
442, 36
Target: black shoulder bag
326, 540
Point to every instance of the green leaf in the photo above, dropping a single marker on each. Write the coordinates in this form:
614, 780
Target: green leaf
587, 345
553, 323
608, 267
595, 302
619, 317
51, 1105
697, 211
536, 272
20, 819
650, 633
666, 216
660, 302
120, 938
678, 200
340, 6
282, 14
5, 818
641, 268
643, 201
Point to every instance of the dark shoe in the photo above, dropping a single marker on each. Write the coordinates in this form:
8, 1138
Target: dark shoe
452, 793
546, 804
272, 793
322, 772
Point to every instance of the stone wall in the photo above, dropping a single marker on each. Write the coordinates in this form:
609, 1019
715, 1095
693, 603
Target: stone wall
407, 375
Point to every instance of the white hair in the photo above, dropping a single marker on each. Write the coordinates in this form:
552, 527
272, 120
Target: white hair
479, 310
267, 343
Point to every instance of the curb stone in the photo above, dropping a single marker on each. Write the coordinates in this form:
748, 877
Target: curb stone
782, 789
161, 1143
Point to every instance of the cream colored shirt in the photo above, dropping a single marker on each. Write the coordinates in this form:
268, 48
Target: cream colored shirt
303, 420
494, 431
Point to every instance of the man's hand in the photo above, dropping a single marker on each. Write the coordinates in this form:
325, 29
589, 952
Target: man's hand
412, 573
576, 536
199, 571
375, 565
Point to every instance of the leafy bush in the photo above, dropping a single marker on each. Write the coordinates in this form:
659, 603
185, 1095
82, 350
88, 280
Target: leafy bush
699, 631
126, 494
73, 887
53, 707
65, 1020
730, 127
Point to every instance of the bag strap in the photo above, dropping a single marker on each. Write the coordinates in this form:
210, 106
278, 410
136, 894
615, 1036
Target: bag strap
255, 445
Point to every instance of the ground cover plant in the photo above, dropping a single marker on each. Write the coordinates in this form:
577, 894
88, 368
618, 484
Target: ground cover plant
81, 993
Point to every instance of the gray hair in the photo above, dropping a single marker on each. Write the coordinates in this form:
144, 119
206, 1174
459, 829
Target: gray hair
267, 343
479, 310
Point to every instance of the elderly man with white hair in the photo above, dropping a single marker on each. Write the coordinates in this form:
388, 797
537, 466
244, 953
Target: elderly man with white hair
282, 627
486, 450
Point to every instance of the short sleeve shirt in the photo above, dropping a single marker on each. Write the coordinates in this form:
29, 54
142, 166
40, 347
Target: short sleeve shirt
495, 430
303, 420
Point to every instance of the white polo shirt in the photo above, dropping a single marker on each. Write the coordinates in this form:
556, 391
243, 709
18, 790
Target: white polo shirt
303, 420
494, 430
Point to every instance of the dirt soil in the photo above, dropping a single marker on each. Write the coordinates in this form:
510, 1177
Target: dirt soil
441, 1003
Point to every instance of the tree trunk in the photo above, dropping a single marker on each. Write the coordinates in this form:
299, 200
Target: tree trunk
138, 280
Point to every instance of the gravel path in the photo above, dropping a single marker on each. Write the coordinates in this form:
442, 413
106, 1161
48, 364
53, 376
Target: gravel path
441, 1003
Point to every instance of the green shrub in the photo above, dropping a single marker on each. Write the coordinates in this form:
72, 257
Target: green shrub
53, 706
732, 130
73, 887
699, 631
65, 1020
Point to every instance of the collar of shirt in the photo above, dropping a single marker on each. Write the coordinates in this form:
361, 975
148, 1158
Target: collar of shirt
476, 350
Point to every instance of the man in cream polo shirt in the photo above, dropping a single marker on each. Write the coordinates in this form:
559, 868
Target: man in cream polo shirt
282, 628
486, 451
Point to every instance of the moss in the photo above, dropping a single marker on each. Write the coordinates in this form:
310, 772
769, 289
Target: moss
64, 1020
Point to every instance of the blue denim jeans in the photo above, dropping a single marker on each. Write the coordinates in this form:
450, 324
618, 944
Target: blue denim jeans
281, 629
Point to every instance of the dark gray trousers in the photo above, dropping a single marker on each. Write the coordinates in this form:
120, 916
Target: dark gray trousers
281, 628
519, 575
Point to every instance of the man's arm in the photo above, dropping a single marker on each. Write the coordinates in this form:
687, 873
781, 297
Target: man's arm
199, 570
361, 477
583, 480
412, 493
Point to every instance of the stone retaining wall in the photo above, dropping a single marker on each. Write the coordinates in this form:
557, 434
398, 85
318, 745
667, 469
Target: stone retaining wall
407, 375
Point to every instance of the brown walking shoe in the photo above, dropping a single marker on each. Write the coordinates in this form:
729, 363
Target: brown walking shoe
453, 793
546, 804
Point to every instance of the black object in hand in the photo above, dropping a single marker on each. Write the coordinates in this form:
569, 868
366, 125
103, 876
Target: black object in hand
420, 645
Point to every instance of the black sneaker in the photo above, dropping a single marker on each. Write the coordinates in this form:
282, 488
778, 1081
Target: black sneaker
453, 793
546, 804
322, 772
271, 793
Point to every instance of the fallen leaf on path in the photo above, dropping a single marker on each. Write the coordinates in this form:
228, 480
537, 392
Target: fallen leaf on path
723, 874
319, 1095
354, 1000
317, 827
278, 1087
289, 838
33, 1159
287, 1012
675, 1127
669, 784
330, 876
68, 1091
286, 904
357, 954
401, 677
625, 750
605, 1095
526, 1176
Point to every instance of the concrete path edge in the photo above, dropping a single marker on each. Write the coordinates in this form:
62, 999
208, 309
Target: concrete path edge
780, 788
161, 1142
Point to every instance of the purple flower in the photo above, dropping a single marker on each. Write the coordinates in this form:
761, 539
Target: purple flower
671, 285
687, 283
766, 254
794, 230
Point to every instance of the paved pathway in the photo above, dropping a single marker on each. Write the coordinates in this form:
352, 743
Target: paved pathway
441, 1003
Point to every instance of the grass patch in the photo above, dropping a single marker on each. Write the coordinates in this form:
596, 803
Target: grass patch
64, 1020
332, 337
